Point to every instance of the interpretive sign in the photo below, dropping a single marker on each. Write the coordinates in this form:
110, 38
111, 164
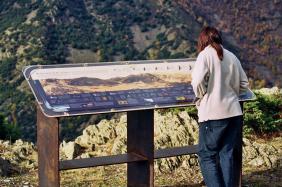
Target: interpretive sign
75, 89
137, 87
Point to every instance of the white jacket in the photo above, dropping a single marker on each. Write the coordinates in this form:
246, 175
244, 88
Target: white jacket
218, 84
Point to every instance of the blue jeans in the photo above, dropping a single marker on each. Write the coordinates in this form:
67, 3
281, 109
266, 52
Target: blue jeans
220, 146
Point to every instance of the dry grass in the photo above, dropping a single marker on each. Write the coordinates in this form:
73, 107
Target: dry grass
116, 176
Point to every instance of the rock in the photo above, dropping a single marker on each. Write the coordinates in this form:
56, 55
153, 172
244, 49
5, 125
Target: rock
171, 36
171, 130
269, 91
192, 127
119, 143
99, 134
193, 161
6, 143
274, 159
104, 132
109, 137
85, 155
258, 154
267, 150
18, 142
119, 146
249, 153
175, 130
200, 19
258, 161
7, 169
70, 149
23, 149
246, 142
85, 142
21, 154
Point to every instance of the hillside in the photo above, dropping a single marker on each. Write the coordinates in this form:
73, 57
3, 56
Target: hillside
75, 31
252, 28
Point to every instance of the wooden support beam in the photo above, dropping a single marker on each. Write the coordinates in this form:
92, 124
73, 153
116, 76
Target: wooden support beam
176, 151
240, 151
100, 161
140, 140
48, 150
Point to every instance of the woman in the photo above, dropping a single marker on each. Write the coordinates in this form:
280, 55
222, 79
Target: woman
218, 79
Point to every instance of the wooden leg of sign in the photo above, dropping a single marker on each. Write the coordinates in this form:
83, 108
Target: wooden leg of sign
48, 150
140, 140
240, 152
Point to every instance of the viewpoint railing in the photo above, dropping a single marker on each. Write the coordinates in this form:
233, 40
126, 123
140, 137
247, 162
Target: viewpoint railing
135, 87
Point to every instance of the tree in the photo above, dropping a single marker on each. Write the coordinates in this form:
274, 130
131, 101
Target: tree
8, 131
6, 67
2, 127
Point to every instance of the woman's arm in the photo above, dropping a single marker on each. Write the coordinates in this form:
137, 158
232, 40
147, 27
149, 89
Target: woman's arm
244, 83
199, 75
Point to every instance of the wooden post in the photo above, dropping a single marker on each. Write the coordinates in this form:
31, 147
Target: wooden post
48, 150
140, 140
240, 152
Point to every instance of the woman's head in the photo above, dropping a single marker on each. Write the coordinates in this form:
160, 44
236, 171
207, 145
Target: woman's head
210, 36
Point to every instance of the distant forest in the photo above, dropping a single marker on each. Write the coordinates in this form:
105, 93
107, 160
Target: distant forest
76, 31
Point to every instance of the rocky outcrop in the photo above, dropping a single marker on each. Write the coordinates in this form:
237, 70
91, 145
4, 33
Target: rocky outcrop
70, 149
7, 169
108, 137
171, 130
17, 157
270, 91
260, 154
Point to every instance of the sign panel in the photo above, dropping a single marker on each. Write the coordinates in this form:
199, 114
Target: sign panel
76, 89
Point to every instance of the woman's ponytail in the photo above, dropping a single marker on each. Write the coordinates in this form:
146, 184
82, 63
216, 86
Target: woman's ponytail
210, 36
218, 49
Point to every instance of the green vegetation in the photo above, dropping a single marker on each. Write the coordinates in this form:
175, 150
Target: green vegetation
8, 131
43, 32
264, 115
7, 66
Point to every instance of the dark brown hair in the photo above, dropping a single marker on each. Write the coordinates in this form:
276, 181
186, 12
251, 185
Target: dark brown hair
210, 36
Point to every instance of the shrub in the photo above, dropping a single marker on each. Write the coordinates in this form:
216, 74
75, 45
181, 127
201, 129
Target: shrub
6, 67
8, 131
264, 115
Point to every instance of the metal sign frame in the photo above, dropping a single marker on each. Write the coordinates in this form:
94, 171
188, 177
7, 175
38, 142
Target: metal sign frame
179, 94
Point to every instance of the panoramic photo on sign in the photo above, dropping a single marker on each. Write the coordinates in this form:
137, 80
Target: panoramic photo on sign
63, 90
